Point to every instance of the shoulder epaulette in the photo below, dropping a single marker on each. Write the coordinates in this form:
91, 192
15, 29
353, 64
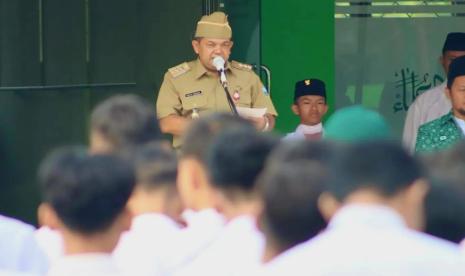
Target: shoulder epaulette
179, 70
241, 66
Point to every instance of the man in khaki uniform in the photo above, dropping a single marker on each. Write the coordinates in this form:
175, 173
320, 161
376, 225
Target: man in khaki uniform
193, 89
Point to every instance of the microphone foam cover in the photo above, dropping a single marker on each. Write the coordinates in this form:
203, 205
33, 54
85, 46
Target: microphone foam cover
218, 62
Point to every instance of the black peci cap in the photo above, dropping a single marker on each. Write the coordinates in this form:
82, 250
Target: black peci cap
309, 87
454, 42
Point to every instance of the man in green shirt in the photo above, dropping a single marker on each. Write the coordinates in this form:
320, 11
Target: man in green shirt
447, 130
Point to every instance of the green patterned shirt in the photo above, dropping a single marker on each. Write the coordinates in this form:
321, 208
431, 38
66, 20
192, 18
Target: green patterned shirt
438, 134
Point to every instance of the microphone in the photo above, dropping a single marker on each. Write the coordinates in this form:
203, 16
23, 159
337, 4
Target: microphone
219, 62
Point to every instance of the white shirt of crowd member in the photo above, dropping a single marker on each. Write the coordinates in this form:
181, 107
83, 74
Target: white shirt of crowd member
19, 252
371, 229
433, 103
156, 244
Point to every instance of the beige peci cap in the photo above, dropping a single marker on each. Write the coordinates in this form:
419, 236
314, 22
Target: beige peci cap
215, 25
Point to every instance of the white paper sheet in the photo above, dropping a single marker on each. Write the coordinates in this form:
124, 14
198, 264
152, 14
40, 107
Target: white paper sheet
251, 112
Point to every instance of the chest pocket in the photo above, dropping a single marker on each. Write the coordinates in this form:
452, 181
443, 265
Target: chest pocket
245, 97
194, 99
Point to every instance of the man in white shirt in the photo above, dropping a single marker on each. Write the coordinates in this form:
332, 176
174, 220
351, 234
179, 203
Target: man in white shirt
148, 248
121, 122
445, 168
235, 160
18, 249
15, 273
433, 103
310, 105
84, 198
50, 241
374, 201
204, 222
290, 213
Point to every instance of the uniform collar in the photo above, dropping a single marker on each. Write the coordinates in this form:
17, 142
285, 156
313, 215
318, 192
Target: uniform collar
90, 263
155, 219
228, 67
200, 70
306, 129
354, 215
198, 217
446, 119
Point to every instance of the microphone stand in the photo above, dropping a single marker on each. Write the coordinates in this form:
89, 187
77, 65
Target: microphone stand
224, 84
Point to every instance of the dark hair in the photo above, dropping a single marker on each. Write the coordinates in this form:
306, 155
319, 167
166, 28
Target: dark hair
447, 165
291, 193
444, 205
304, 150
295, 175
199, 136
445, 201
156, 166
381, 166
454, 42
86, 191
237, 157
126, 121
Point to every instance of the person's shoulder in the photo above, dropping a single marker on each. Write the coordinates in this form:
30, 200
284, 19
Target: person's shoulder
435, 247
435, 123
430, 95
427, 127
241, 66
16, 273
180, 70
14, 225
291, 136
294, 259
245, 72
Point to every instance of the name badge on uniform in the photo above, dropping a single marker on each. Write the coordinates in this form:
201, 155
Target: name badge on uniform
236, 95
193, 94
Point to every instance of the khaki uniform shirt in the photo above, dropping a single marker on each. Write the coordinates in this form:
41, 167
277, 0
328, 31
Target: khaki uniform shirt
190, 87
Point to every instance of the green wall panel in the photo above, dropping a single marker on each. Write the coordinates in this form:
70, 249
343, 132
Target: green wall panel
64, 44
112, 41
297, 43
19, 55
244, 18
115, 41
128, 41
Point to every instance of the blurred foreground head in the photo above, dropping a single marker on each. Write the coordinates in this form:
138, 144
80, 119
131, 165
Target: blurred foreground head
122, 122
193, 181
235, 160
291, 184
85, 196
356, 124
380, 173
